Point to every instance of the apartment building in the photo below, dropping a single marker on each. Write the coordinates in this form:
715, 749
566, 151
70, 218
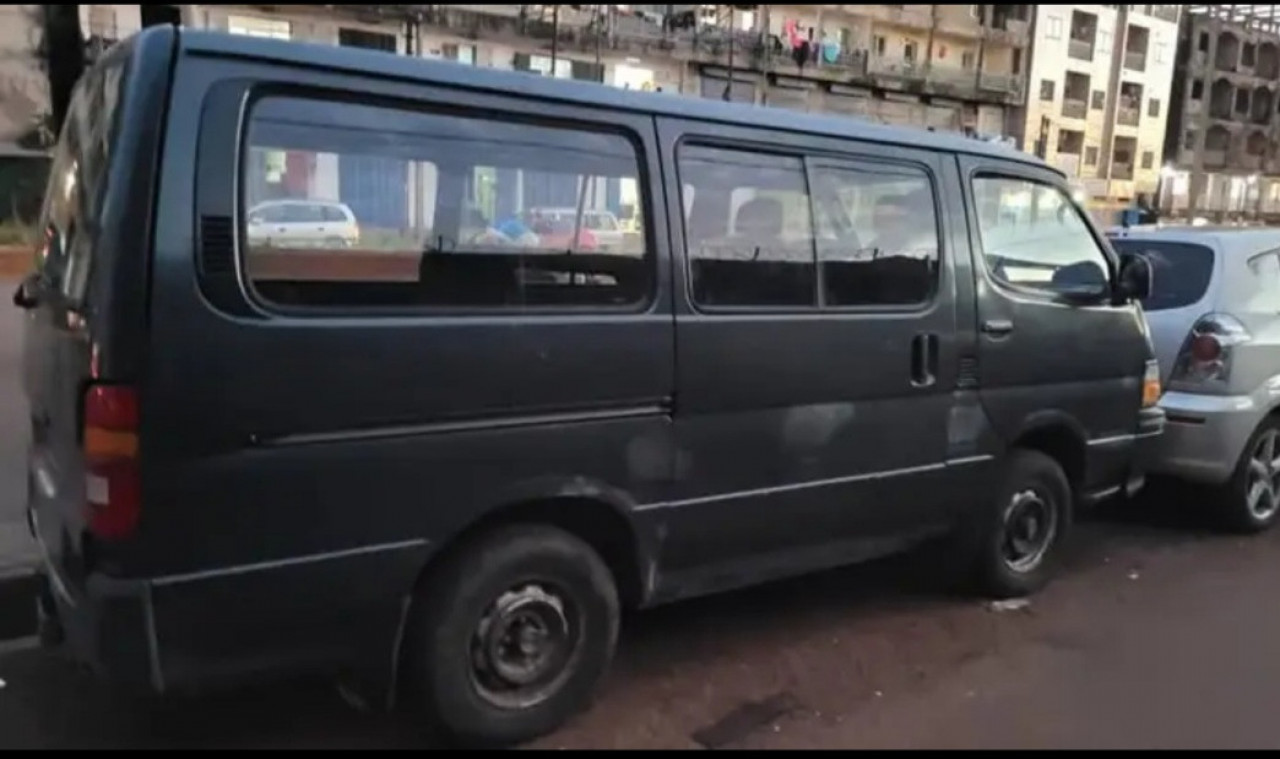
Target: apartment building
948, 67
1221, 147
1098, 97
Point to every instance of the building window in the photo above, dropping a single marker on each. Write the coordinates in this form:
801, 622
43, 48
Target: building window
1153, 108
259, 27
1099, 100
1053, 27
1091, 156
909, 52
386, 208
1189, 140
966, 60
880, 45
1148, 159
367, 40
1197, 89
460, 53
1046, 89
1017, 61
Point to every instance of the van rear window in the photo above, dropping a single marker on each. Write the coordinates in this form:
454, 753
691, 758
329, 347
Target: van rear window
78, 178
1180, 271
361, 206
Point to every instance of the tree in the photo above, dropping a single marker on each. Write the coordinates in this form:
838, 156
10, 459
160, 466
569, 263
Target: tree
62, 51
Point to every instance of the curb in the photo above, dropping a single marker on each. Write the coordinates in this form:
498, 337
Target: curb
18, 588
14, 262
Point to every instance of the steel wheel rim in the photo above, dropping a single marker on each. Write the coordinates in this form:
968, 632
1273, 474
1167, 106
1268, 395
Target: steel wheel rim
1028, 529
1262, 483
523, 646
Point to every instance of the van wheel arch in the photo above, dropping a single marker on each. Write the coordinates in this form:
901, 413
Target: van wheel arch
1061, 442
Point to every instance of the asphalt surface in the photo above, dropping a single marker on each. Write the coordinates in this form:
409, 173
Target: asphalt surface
1159, 634
16, 548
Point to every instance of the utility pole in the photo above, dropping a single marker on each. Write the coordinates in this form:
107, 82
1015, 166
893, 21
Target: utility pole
63, 53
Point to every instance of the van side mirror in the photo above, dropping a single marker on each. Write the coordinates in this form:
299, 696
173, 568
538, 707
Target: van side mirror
1135, 279
1083, 283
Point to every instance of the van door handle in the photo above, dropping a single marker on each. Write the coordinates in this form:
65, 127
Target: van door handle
924, 360
997, 327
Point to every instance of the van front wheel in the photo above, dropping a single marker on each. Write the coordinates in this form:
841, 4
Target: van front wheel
512, 635
1019, 535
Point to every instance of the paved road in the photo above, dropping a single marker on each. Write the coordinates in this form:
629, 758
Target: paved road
1160, 635
15, 546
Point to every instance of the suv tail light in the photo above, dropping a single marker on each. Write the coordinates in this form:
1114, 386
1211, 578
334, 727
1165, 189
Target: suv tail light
112, 484
1204, 363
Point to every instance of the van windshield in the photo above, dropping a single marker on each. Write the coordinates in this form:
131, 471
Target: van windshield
1180, 271
77, 179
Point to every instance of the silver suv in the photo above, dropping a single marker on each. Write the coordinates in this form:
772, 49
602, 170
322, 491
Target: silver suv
1214, 315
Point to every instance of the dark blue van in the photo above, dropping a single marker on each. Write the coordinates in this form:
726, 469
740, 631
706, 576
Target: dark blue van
340, 360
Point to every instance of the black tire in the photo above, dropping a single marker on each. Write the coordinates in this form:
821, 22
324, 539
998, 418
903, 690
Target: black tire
1231, 500
534, 568
1029, 477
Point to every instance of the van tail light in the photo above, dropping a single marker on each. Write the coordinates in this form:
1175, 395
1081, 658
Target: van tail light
112, 483
1204, 363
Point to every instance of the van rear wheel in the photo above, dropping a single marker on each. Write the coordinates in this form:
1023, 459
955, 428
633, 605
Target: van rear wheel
511, 636
1016, 539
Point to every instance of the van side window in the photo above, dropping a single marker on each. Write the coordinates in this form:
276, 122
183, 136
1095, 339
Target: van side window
748, 228
877, 235
446, 210
1033, 236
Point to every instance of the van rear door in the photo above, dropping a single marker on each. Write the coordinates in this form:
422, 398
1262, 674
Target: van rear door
76, 312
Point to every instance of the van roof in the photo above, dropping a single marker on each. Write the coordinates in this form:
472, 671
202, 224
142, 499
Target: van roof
521, 84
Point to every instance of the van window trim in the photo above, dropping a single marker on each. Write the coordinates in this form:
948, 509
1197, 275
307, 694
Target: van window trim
810, 159
1040, 296
254, 91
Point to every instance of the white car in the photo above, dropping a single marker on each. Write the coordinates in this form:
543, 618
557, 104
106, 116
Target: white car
303, 223
603, 225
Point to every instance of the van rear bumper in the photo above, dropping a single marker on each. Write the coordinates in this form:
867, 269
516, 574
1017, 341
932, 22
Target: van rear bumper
206, 630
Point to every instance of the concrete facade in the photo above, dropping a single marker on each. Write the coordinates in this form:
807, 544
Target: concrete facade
1098, 96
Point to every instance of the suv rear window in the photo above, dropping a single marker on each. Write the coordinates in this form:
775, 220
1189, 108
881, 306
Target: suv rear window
1180, 271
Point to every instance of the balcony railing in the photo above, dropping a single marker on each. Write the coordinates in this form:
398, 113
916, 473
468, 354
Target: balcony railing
1135, 61
1074, 109
1215, 157
1168, 13
1127, 116
917, 16
1122, 171
1081, 50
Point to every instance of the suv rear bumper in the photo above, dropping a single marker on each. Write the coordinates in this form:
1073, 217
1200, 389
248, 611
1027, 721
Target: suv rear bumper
1205, 435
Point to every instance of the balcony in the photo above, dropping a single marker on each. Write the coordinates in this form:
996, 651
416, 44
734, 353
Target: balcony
1122, 171
1128, 116
912, 16
1135, 61
1168, 13
1015, 33
1074, 109
1080, 50
1215, 158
